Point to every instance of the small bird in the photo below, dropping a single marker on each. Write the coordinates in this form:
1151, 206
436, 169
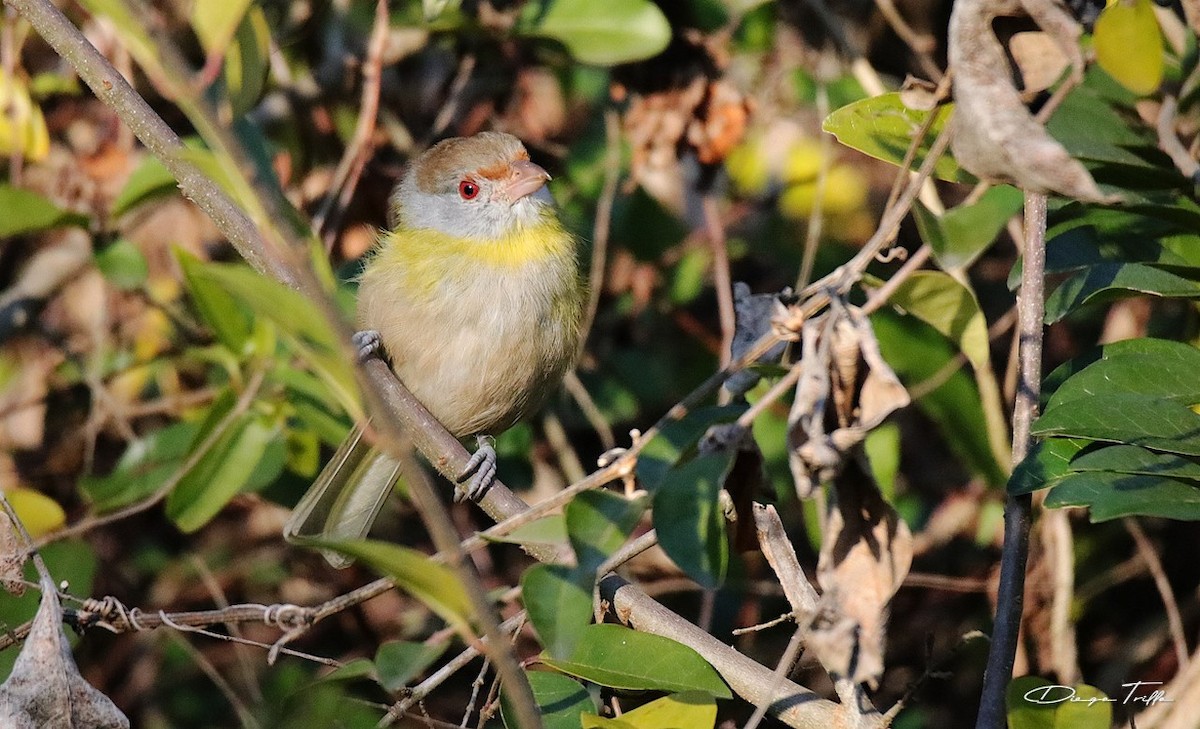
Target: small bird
476, 299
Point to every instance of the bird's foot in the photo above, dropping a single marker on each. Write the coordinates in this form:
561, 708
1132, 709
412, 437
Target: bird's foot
368, 342
481, 469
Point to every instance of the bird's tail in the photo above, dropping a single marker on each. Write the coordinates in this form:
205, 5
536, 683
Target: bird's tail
346, 497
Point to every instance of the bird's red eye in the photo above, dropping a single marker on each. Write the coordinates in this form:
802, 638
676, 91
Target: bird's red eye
468, 190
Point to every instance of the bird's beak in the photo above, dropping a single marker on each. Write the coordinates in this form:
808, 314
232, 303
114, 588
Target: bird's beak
527, 178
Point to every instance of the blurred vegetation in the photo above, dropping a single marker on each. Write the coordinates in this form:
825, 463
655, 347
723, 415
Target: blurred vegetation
144, 372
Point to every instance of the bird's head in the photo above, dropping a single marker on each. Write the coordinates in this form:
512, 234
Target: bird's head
481, 187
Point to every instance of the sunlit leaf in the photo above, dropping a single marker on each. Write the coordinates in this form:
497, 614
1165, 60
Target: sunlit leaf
561, 701
26, 211
1129, 45
963, 233
222, 474
38, 512
615, 656
884, 128
432, 583
1035, 703
693, 710
604, 34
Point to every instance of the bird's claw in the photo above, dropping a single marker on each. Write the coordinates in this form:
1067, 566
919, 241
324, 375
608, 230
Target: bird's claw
368, 342
481, 469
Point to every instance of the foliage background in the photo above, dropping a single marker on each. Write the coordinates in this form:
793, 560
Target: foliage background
124, 350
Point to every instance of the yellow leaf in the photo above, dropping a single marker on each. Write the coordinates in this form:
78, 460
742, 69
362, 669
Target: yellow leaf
39, 513
22, 126
1129, 45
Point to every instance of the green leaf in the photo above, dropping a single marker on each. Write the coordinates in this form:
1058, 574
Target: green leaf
689, 519
397, 662
247, 61
1110, 281
1113, 495
883, 127
215, 23
229, 321
963, 233
145, 465
550, 530
1125, 418
435, 8
149, 180
222, 474
617, 657
299, 321
1134, 460
598, 523
28, 212
1047, 463
561, 701
603, 34
949, 306
1035, 703
431, 582
690, 710
676, 439
559, 602
123, 265
1167, 353
918, 354
1129, 45
1123, 369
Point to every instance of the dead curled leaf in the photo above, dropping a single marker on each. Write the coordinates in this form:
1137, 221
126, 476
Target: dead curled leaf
680, 102
866, 551
841, 362
45, 689
995, 136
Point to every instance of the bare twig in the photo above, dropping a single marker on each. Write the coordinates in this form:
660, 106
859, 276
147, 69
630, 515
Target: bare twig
1146, 551
1168, 140
722, 281
786, 661
816, 214
350, 167
245, 717
1010, 598
603, 223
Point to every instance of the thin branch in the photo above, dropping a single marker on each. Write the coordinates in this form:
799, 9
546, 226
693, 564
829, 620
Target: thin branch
1154, 564
354, 159
816, 213
722, 280
1011, 595
602, 226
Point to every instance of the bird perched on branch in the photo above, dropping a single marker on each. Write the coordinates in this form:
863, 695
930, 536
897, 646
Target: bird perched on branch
475, 298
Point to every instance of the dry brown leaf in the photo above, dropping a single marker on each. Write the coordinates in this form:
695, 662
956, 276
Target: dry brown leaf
995, 136
1040, 60
45, 689
841, 361
866, 552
